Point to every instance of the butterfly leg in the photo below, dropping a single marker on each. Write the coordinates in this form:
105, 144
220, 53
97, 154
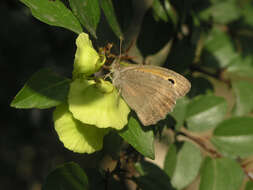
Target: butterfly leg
108, 75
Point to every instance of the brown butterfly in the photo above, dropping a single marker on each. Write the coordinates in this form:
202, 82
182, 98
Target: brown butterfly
151, 91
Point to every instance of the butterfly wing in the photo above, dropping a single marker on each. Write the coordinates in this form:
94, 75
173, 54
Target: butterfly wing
151, 91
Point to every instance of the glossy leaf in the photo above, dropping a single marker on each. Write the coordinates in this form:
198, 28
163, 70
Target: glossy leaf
88, 13
142, 140
244, 99
43, 90
187, 167
151, 177
65, 177
205, 112
109, 12
54, 13
170, 160
234, 137
221, 174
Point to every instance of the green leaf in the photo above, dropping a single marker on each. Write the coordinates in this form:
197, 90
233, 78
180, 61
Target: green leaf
53, 13
151, 177
142, 140
221, 12
159, 11
244, 99
234, 137
88, 13
109, 12
43, 90
219, 50
241, 66
205, 112
221, 174
179, 112
65, 177
171, 12
249, 185
187, 167
170, 160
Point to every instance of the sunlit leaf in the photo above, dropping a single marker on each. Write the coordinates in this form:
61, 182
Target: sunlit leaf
54, 13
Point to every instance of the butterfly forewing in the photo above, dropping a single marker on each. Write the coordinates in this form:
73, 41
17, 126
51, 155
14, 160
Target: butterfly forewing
150, 91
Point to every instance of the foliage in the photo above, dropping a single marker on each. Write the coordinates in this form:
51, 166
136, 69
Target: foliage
211, 134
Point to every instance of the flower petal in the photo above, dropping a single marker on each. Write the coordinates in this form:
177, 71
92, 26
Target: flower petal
87, 61
97, 104
77, 136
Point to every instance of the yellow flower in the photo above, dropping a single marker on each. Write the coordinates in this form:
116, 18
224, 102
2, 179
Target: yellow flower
87, 60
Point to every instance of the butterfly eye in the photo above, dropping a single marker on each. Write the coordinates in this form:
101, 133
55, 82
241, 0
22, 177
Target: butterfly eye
171, 81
